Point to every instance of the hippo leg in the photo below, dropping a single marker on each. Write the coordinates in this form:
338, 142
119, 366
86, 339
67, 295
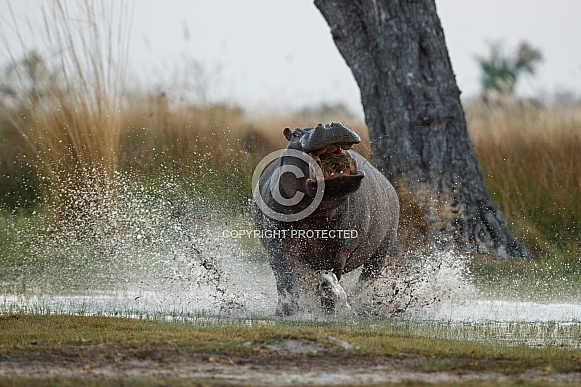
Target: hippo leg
286, 284
332, 293
330, 290
373, 266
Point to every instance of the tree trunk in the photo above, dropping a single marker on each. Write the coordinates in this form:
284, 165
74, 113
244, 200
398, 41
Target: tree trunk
397, 53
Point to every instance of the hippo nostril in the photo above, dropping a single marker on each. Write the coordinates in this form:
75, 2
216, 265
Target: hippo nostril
334, 134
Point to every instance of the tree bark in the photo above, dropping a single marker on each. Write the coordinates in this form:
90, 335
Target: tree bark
397, 52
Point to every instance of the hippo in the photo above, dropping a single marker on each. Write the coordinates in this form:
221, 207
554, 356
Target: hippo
351, 220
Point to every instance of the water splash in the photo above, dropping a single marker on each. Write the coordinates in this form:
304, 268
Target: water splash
157, 240
417, 283
158, 249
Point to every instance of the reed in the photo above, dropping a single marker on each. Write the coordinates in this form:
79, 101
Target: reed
70, 92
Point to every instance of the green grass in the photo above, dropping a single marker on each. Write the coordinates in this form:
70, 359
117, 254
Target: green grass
72, 335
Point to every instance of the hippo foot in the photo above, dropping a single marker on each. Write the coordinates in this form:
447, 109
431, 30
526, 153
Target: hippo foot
285, 310
328, 305
287, 305
331, 292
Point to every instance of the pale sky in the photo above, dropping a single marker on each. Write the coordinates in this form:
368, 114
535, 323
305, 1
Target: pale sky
279, 54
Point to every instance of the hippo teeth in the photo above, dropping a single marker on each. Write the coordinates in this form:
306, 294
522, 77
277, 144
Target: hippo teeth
353, 168
312, 175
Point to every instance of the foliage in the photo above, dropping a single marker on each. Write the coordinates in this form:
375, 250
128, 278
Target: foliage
332, 163
500, 71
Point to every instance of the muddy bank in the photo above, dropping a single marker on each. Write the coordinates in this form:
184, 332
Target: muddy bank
285, 363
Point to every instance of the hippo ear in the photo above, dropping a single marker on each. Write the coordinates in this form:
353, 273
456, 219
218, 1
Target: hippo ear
287, 133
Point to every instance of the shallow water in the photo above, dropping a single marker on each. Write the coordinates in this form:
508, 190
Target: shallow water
508, 311
496, 322
245, 291
164, 255
144, 304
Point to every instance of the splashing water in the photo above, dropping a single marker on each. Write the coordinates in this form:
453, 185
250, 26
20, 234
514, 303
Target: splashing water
160, 246
161, 250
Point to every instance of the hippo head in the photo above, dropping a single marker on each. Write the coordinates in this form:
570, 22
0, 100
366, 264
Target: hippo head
328, 146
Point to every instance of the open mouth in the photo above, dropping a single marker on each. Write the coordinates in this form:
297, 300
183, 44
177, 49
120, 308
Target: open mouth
335, 161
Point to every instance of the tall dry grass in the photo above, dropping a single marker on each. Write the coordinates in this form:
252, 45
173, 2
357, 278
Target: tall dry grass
216, 144
530, 155
75, 125
162, 127
69, 93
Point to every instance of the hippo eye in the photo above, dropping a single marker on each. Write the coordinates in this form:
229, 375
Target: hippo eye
297, 134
